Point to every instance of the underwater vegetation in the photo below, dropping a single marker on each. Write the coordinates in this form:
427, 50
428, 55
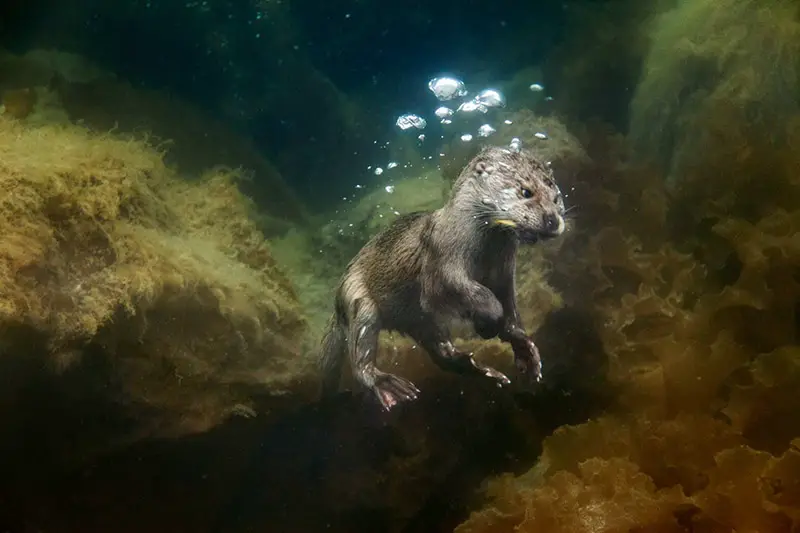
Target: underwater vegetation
107, 253
689, 267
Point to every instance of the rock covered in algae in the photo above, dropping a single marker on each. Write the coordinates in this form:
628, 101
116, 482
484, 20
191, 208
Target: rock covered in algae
718, 83
105, 251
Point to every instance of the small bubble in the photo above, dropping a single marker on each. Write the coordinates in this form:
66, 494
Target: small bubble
443, 112
540, 135
466, 137
506, 121
389, 189
486, 130
536, 87
378, 171
391, 165
471, 107
515, 145
421, 137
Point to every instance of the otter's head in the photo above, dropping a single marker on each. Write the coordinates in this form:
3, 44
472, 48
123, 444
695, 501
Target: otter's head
513, 190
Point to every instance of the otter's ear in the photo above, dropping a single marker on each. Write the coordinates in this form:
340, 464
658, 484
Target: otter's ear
481, 169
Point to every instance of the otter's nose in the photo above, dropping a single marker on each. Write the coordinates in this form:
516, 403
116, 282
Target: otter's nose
553, 224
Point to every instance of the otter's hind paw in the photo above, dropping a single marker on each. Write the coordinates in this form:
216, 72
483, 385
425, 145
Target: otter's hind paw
391, 390
528, 361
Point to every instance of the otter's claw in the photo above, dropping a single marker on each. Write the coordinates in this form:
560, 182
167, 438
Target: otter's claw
528, 361
391, 390
490, 372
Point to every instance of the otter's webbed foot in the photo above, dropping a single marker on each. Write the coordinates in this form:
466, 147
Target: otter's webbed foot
364, 330
527, 358
391, 390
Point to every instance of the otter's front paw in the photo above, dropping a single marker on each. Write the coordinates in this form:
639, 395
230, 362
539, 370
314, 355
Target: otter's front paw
490, 372
391, 390
527, 359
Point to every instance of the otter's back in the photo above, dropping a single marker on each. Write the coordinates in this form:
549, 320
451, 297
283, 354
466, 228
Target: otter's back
389, 264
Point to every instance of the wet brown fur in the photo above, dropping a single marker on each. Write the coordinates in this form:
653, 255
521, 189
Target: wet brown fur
457, 261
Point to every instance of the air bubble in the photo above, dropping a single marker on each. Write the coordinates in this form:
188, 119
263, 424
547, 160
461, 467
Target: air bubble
491, 98
389, 189
443, 112
391, 165
378, 171
466, 137
486, 130
471, 107
408, 121
447, 88
536, 87
540, 135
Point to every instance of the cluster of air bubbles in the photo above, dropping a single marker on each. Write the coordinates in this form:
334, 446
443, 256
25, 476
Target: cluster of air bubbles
379, 170
447, 89
455, 103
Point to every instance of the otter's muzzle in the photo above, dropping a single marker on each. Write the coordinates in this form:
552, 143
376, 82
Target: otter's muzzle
552, 225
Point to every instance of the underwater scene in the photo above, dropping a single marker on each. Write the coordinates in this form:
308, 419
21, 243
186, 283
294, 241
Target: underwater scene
349, 266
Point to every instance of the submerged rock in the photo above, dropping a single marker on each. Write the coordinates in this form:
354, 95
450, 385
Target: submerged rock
166, 289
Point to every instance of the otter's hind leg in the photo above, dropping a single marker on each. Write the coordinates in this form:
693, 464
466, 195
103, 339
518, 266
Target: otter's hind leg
364, 330
436, 341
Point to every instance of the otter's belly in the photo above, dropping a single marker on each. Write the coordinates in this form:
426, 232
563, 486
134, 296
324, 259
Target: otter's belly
402, 310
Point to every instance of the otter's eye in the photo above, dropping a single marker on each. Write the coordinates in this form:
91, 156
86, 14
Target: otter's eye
526, 193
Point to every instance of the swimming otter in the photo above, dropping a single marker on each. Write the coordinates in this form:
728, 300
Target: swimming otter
456, 261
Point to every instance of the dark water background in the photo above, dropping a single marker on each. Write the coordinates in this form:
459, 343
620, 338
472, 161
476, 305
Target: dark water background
662, 291
228, 56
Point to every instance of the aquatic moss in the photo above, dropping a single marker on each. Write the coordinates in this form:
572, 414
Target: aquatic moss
702, 410
105, 251
710, 112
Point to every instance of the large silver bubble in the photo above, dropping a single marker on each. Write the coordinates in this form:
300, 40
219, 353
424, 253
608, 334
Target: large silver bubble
491, 98
446, 88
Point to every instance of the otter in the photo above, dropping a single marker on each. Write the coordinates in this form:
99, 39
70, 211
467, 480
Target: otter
458, 261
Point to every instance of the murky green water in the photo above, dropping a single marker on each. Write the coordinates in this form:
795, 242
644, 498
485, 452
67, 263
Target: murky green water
182, 184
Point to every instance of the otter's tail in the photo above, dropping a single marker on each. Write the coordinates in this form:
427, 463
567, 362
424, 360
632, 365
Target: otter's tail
334, 350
